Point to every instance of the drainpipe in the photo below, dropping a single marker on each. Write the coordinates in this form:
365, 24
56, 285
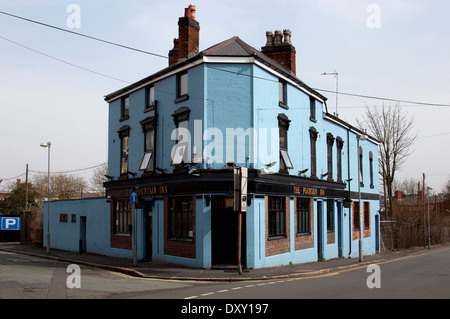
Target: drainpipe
349, 194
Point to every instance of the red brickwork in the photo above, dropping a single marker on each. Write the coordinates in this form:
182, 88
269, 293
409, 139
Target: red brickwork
305, 241
279, 245
180, 248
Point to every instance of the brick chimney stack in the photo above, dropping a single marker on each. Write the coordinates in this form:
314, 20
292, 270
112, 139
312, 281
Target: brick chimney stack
282, 51
188, 36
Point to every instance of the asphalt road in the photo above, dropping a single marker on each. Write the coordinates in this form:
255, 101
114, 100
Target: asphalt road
423, 276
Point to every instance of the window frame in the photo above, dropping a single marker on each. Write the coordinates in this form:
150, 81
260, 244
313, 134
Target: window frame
366, 215
330, 215
276, 217
282, 94
125, 108
150, 102
181, 218
122, 218
283, 127
312, 109
339, 147
313, 150
303, 212
124, 135
330, 143
356, 217
148, 128
182, 88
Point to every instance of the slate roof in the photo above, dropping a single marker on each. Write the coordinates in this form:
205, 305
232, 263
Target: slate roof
233, 47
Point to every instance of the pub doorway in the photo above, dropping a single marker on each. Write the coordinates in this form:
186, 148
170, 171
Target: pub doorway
224, 235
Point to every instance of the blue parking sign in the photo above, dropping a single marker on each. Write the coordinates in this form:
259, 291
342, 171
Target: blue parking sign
9, 223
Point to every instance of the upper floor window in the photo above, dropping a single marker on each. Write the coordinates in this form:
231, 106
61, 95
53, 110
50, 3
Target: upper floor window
125, 108
182, 87
313, 138
150, 98
124, 135
181, 152
147, 163
312, 109
339, 146
330, 143
283, 126
282, 93
361, 179
371, 169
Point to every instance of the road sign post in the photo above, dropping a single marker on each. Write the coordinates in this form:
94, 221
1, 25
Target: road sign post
134, 197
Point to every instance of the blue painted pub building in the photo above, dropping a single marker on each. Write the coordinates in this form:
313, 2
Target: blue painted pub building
176, 136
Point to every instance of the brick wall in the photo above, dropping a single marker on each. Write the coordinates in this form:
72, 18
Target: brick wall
305, 241
122, 241
180, 248
279, 245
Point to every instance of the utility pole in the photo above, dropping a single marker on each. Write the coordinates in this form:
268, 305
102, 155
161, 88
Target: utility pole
424, 224
26, 190
240, 205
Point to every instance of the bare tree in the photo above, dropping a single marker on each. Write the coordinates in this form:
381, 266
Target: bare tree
447, 189
408, 186
98, 178
62, 186
392, 127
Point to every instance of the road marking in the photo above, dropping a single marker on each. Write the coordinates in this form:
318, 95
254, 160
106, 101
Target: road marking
225, 290
208, 294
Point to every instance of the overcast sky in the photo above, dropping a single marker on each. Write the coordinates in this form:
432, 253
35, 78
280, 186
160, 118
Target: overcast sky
396, 49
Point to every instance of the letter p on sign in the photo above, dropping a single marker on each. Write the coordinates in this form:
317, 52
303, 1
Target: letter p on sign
10, 223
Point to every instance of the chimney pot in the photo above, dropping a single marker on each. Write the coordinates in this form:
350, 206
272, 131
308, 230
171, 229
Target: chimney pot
193, 9
278, 37
269, 36
287, 37
280, 51
188, 36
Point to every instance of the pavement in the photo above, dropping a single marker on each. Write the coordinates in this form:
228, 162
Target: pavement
167, 271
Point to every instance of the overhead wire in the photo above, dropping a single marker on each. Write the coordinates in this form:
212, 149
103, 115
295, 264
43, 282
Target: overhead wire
83, 35
166, 57
63, 61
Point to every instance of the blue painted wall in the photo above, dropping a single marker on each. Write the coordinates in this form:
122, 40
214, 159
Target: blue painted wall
224, 96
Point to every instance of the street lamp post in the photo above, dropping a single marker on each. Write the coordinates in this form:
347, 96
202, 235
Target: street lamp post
47, 145
361, 137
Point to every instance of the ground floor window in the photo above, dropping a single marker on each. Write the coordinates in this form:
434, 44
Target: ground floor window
356, 217
366, 215
277, 217
330, 215
303, 216
122, 217
181, 218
